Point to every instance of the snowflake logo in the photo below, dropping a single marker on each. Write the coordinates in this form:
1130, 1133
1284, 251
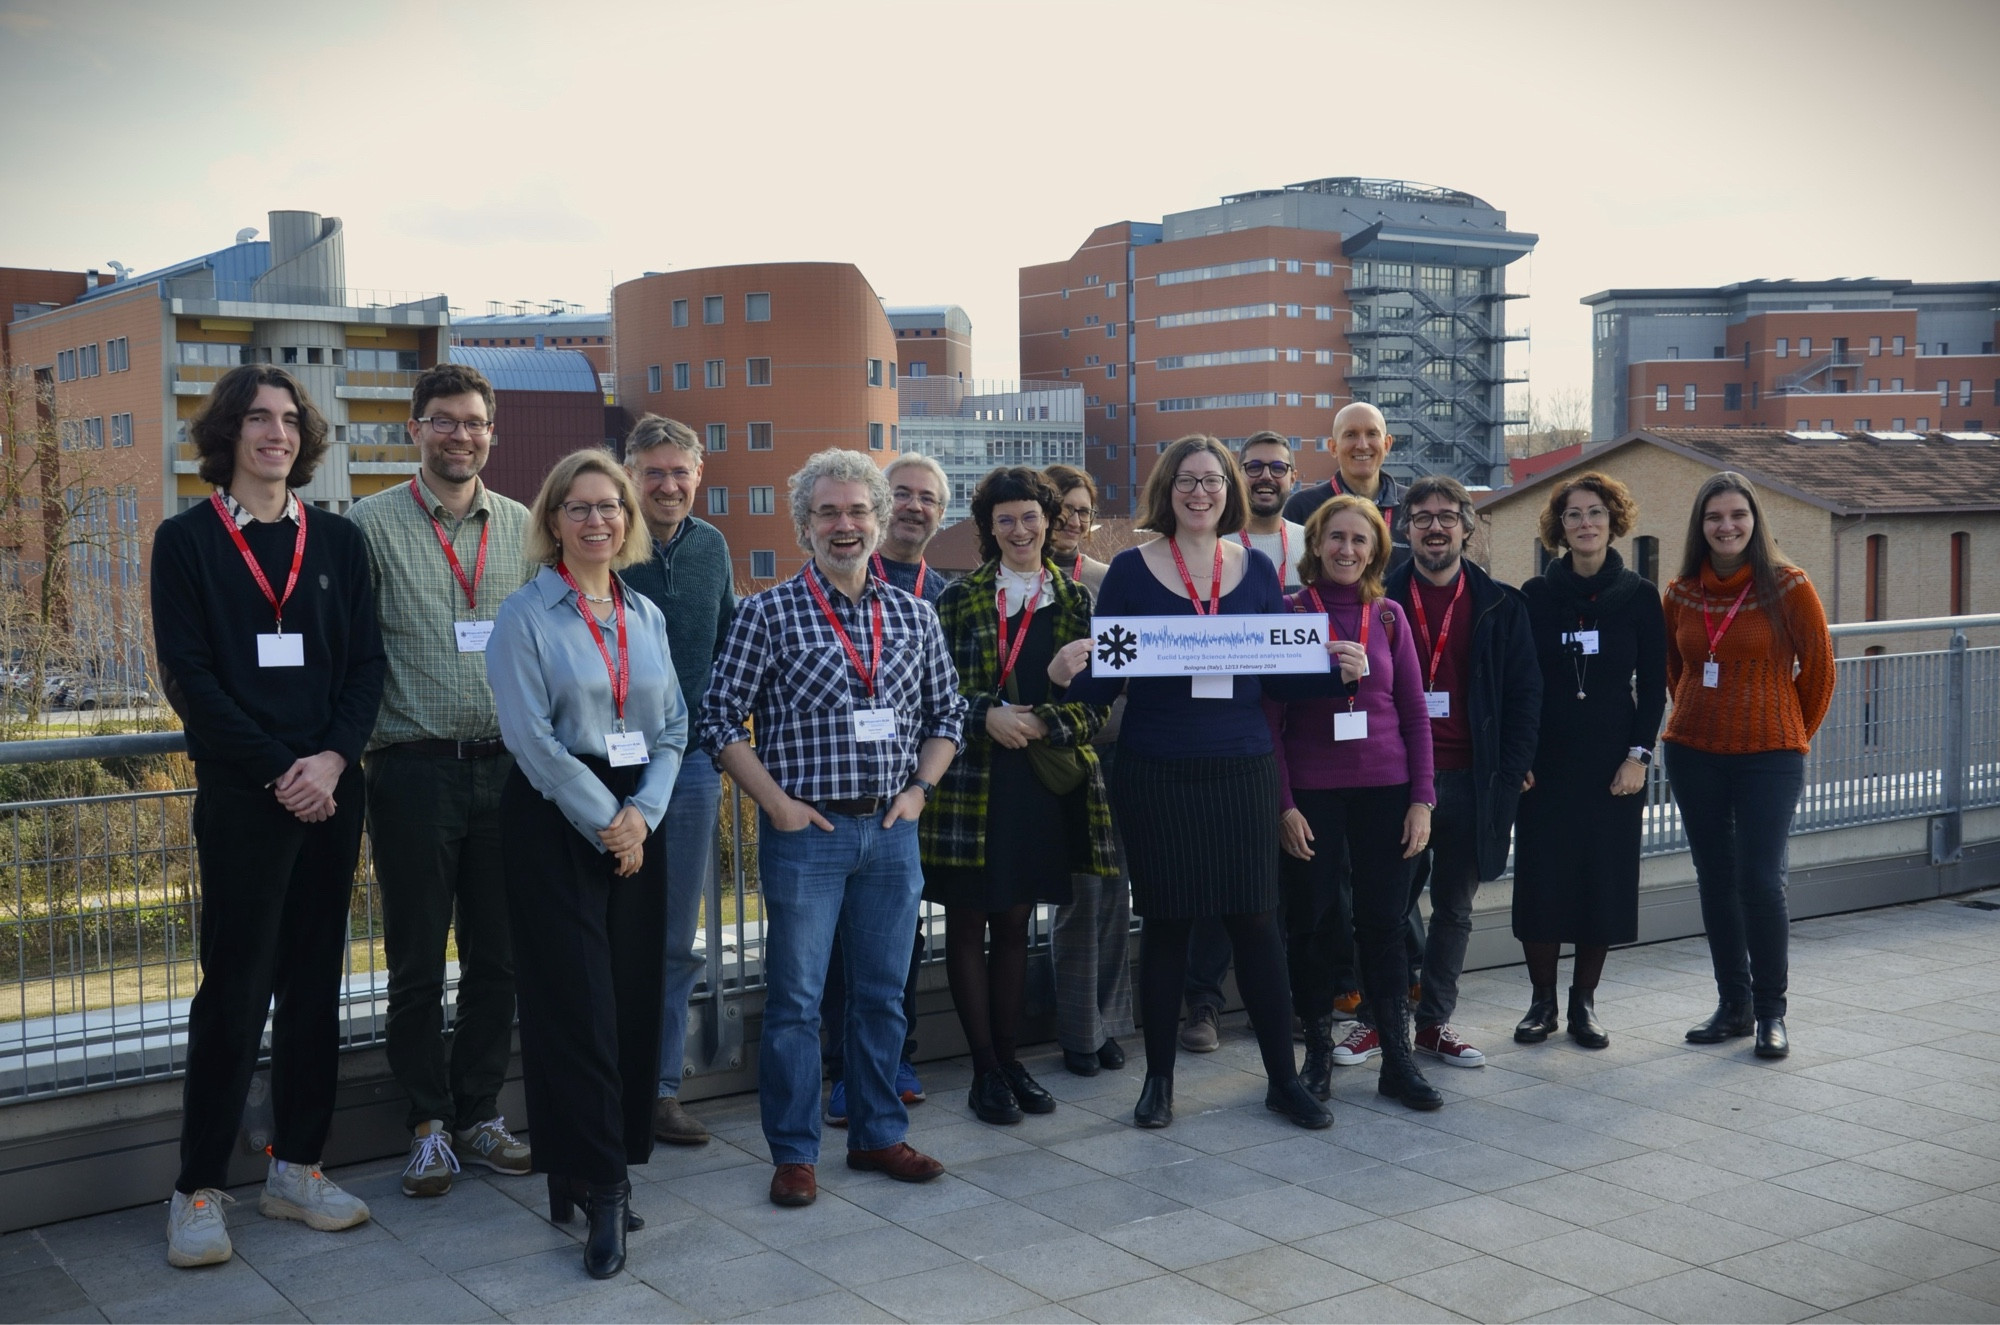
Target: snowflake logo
1117, 646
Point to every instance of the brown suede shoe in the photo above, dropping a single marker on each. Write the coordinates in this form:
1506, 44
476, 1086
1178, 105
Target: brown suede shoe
794, 1184
898, 1161
672, 1124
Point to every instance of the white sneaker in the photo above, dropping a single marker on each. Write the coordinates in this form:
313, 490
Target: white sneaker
197, 1234
302, 1192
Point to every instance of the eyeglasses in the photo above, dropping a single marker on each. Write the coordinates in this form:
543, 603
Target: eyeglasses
678, 475
1208, 483
1435, 520
1588, 515
923, 499
1007, 524
576, 512
1082, 515
829, 514
1275, 468
445, 426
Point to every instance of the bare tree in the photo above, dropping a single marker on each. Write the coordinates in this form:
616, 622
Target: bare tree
1555, 419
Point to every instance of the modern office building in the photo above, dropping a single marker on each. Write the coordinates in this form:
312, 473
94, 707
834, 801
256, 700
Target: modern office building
769, 362
1273, 309
552, 326
972, 427
1841, 355
933, 340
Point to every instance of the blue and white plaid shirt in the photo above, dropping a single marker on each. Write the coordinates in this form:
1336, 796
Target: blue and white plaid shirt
783, 665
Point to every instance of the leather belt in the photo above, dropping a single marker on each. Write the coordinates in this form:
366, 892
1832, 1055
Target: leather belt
486, 749
856, 808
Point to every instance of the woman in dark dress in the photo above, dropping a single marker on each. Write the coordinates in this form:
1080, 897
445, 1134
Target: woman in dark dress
996, 840
1601, 641
1196, 786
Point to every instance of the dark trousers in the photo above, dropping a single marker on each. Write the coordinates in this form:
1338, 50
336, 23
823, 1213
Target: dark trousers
434, 822
588, 984
833, 1007
274, 898
1208, 956
1451, 869
1737, 810
1369, 821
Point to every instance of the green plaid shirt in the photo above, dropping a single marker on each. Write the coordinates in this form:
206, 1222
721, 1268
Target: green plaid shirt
953, 828
434, 692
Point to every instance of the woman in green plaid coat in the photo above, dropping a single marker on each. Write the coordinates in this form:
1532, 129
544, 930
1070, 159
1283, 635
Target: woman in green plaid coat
1023, 806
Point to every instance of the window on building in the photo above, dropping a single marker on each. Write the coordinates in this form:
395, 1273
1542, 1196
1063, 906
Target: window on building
757, 372
1111, 451
760, 436
1895, 384
874, 436
1111, 370
1673, 351
1874, 384
1324, 400
121, 430
1863, 425
1688, 399
1965, 392
1111, 411
1784, 347
1659, 400
1090, 320
682, 378
1292, 266
1826, 425
1111, 329
1896, 345
1961, 574
918, 370
762, 500
1874, 346
1896, 425
117, 355
1875, 587
66, 365
718, 437
711, 309
680, 312
653, 378
715, 372
1756, 391
1323, 356
1323, 312
1646, 557
763, 565
1805, 347
1732, 396
1322, 269
1924, 423
86, 360
718, 501
756, 308
874, 372
1291, 310
1944, 393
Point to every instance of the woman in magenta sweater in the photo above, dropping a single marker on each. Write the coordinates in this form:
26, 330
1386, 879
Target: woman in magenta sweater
1355, 768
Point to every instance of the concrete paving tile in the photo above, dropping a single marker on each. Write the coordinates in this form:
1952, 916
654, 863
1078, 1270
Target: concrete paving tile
1484, 1120
624, 1300
837, 1306
1861, 1186
1385, 1250
1166, 1297
1667, 1175
1977, 1100
1205, 1179
672, 1162
430, 1300
267, 1243
1488, 1289
1751, 1156
490, 1240
908, 1202
1387, 1190
1227, 1131
999, 1226
756, 1282
100, 1235
1048, 1313
38, 1292
1798, 1270
1778, 1210
1653, 1129
1697, 1297
1981, 1281
1392, 1140
1826, 1135
1942, 1166
23, 1251
1724, 1108
1592, 1311
1184, 1238
1275, 1278
1125, 1150
1592, 1261
1070, 1266
1924, 1302
1481, 1168
1104, 1203
1979, 1139
783, 1228
76, 1316
1795, 1092
1687, 1235
961, 1292
340, 1272
1288, 1214
1894, 1245
1300, 1158
526, 1282
174, 1305
1023, 1175
1579, 1199
700, 1241
1377, 1303
878, 1253
969, 1143
1486, 1223
1564, 1146
732, 1187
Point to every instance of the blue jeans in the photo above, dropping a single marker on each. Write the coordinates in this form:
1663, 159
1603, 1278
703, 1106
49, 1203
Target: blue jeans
1737, 810
693, 862
862, 881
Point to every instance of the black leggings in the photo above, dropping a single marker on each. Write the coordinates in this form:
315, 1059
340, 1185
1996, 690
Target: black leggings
1369, 820
988, 987
1260, 979
1542, 964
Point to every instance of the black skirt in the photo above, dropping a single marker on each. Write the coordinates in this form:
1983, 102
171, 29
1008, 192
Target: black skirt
1201, 835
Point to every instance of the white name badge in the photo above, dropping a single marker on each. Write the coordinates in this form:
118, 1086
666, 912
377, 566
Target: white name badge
472, 635
876, 724
623, 749
1211, 685
1438, 702
1585, 640
1351, 726
1711, 674
281, 650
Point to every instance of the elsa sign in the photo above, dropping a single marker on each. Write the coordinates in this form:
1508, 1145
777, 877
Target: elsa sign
1209, 648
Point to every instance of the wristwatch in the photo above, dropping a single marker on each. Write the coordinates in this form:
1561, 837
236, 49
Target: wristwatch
925, 787
1640, 755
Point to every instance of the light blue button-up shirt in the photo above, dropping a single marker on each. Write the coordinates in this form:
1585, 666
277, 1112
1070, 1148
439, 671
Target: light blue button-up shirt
553, 695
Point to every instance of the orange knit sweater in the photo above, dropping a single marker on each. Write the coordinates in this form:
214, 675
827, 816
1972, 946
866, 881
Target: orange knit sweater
1759, 705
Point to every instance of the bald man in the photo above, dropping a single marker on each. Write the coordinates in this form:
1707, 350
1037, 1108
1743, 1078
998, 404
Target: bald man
1361, 442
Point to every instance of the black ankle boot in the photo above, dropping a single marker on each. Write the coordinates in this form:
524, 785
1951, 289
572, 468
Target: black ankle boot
1400, 1079
1583, 1027
992, 1099
1294, 1099
1317, 1074
1730, 1021
1156, 1103
1540, 1023
604, 1245
566, 1194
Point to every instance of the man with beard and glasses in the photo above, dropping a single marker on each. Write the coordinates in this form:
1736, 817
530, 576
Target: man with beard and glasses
857, 713
1483, 685
1361, 442
444, 551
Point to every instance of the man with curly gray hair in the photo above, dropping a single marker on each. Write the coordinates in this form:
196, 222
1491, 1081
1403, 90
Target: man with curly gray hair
856, 708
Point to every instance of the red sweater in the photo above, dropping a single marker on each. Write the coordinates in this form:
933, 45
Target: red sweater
1760, 704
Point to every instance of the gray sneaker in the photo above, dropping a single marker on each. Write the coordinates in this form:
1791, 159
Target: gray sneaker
302, 1192
1200, 1035
197, 1234
491, 1144
432, 1162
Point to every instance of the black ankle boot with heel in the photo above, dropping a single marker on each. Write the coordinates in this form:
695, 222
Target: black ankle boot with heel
604, 1245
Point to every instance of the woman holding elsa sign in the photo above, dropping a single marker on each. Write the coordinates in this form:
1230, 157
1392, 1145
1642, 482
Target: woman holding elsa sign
1195, 783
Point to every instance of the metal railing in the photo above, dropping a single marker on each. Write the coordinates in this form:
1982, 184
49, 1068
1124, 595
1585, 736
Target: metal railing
99, 902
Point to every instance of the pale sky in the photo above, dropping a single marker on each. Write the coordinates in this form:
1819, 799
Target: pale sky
538, 151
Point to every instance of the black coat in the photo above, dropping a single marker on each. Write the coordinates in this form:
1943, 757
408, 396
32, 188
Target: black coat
1576, 865
1503, 706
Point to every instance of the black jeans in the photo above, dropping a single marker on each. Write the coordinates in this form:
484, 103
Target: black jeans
274, 898
1368, 822
434, 822
1451, 869
1737, 810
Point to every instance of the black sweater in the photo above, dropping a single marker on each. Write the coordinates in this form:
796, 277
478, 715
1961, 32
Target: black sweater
207, 613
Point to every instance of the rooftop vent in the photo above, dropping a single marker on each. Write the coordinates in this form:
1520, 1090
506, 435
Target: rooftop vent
1812, 438
1971, 438
1894, 438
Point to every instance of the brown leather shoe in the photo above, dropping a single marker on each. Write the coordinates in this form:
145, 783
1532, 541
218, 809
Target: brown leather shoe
794, 1184
672, 1124
898, 1161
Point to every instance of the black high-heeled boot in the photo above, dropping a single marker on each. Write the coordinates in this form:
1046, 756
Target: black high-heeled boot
565, 1194
1583, 1025
1317, 1074
604, 1246
1156, 1102
1400, 1079
1540, 1023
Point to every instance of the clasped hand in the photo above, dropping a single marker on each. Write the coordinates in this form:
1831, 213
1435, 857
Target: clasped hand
1014, 725
625, 839
306, 788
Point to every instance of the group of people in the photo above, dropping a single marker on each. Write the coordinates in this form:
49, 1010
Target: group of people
511, 696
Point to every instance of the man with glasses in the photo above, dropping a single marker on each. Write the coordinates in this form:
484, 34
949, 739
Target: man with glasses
1361, 442
1483, 685
857, 714
444, 551
690, 579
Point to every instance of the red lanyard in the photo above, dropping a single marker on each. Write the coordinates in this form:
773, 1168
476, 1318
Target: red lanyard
923, 569
1007, 656
256, 571
1715, 635
1333, 632
1076, 571
867, 674
620, 671
1424, 625
1284, 547
470, 586
1214, 584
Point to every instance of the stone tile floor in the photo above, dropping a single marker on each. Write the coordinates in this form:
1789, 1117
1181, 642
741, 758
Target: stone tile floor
1857, 1180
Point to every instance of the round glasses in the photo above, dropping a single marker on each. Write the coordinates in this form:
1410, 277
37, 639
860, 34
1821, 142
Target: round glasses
1588, 515
576, 512
1208, 483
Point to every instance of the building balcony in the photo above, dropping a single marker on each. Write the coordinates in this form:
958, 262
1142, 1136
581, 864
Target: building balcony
381, 458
